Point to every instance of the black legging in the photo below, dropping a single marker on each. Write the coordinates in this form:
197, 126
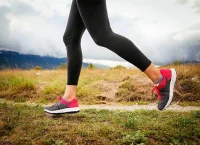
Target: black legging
92, 14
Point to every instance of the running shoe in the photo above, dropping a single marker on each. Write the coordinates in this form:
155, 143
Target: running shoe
165, 88
63, 106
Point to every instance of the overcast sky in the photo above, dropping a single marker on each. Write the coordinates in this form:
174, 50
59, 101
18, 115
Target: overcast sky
164, 30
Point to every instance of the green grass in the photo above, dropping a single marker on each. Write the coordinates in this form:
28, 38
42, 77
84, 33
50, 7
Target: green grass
23, 124
17, 88
19, 83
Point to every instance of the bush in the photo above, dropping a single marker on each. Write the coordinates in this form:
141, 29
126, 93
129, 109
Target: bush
91, 66
176, 62
38, 68
62, 66
119, 67
125, 90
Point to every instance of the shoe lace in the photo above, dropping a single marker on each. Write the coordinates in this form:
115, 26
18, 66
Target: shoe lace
59, 97
155, 88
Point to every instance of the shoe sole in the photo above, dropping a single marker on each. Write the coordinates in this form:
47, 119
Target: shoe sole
171, 91
63, 111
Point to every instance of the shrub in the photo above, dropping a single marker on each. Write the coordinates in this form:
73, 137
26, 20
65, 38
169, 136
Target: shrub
176, 62
38, 68
119, 67
62, 66
91, 66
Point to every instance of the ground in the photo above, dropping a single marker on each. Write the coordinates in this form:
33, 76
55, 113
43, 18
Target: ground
116, 104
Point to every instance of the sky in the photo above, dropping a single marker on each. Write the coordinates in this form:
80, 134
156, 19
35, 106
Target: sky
164, 30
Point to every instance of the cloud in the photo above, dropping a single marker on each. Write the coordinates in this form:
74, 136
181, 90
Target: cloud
182, 45
196, 6
182, 2
109, 63
27, 30
37, 27
5, 35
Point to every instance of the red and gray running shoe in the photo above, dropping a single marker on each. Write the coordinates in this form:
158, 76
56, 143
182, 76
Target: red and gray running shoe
165, 88
63, 106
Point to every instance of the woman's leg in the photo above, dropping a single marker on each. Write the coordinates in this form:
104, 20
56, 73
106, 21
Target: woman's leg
95, 18
153, 73
72, 39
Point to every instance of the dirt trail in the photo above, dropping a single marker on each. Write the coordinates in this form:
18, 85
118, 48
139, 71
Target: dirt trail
152, 106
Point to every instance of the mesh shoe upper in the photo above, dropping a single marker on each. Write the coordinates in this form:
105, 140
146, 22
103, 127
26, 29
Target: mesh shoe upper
163, 89
62, 104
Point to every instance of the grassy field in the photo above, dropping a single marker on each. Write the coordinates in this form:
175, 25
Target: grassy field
23, 124
97, 86
27, 124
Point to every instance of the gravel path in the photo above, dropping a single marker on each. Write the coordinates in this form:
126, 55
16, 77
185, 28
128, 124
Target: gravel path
152, 106
136, 107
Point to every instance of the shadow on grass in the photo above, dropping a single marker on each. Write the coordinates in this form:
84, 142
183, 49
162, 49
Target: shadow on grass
68, 116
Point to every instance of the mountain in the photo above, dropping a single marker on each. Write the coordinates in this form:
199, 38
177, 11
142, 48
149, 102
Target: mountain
11, 59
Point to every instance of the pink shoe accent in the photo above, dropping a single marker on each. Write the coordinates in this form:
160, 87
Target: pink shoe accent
70, 104
62, 100
157, 87
167, 73
73, 103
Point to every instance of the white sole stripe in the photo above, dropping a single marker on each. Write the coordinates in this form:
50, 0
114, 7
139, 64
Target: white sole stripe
66, 110
173, 80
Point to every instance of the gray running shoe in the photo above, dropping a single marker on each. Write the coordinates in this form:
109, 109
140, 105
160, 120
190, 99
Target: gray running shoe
165, 88
63, 106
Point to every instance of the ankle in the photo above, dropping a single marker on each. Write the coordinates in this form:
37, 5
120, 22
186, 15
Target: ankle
69, 98
158, 80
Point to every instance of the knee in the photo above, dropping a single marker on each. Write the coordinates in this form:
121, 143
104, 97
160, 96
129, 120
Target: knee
103, 38
70, 39
99, 41
66, 39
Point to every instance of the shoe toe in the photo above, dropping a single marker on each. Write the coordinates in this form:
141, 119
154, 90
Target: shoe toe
50, 108
46, 107
160, 107
161, 104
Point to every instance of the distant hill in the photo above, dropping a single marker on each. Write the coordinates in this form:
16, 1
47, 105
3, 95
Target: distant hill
11, 59
190, 62
185, 62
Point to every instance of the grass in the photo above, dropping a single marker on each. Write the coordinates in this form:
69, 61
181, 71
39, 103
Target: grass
18, 88
183, 103
23, 124
117, 84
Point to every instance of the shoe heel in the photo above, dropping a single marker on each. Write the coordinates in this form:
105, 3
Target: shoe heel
173, 80
174, 75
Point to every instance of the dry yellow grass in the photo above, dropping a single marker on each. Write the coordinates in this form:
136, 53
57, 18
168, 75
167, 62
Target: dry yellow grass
95, 85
